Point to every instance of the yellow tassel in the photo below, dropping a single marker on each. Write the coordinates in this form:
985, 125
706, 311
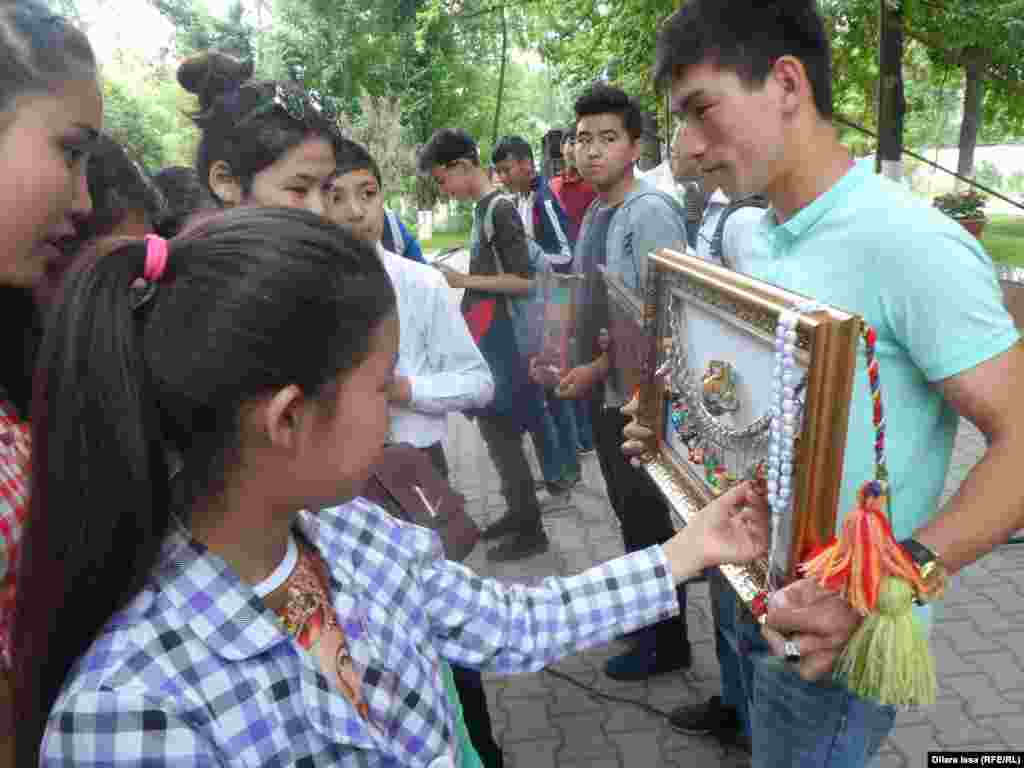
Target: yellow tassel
888, 658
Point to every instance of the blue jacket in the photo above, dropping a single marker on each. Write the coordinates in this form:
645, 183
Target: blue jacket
551, 225
398, 239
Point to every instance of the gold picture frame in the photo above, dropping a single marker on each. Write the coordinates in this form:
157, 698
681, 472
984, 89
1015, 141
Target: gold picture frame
726, 309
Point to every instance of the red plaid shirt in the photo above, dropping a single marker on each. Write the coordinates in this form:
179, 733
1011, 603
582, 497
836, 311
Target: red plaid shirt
14, 488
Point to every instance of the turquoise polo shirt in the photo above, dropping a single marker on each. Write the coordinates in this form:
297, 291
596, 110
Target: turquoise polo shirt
928, 289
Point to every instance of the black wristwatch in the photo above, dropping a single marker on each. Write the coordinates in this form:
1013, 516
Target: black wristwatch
932, 571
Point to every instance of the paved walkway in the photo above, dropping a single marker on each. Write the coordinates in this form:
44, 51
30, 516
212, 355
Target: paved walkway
543, 721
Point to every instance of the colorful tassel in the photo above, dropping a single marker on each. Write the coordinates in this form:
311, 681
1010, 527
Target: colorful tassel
888, 658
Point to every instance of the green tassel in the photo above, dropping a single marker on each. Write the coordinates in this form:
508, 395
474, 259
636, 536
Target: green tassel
888, 658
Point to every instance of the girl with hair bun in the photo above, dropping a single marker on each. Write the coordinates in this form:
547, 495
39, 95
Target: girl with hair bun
51, 111
264, 142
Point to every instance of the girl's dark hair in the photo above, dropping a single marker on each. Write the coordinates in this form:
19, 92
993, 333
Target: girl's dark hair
251, 301
183, 194
246, 123
747, 38
117, 185
38, 52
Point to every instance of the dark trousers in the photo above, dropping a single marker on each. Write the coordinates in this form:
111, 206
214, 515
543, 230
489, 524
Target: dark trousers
504, 439
468, 683
642, 511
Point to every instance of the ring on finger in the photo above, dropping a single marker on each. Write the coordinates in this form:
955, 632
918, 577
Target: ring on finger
792, 650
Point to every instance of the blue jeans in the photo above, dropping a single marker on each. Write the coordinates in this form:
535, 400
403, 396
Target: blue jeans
584, 431
564, 417
798, 723
723, 609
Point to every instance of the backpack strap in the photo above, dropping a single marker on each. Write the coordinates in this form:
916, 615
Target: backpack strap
717, 249
398, 242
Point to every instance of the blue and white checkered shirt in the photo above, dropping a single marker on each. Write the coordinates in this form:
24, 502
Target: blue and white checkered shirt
197, 671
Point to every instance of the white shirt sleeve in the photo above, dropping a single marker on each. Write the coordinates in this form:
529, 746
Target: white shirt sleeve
456, 376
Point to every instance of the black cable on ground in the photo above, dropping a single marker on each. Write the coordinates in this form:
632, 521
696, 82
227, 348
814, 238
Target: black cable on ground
607, 696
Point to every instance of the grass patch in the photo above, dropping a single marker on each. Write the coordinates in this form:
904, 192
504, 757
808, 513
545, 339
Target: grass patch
442, 241
1003, 238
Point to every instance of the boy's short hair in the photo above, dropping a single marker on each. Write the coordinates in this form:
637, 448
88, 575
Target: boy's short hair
747, 38
446, 146
351, 156
602, 99
511, 148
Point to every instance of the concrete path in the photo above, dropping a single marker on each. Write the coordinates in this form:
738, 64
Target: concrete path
543, 721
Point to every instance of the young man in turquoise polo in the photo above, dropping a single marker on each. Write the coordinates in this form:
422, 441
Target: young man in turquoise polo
753, 84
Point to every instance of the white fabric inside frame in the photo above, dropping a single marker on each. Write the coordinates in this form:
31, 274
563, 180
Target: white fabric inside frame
711, 333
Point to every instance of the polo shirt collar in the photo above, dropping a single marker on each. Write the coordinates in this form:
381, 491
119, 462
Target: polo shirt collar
808, 216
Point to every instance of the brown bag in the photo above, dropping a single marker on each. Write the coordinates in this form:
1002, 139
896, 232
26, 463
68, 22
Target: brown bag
404, 482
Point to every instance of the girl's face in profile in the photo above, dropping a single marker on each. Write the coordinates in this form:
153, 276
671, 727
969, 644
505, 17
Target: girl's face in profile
348, 438
45, 143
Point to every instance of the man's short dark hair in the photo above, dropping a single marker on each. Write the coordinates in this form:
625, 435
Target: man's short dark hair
511, 148
747, 38
351, 156
448, 145
603, 99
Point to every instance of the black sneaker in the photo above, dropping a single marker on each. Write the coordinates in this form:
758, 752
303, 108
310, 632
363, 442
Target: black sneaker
503, 526
643, 662
710, 717
518, 547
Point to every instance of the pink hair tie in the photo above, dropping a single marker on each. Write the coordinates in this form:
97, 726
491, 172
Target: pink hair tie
156, 258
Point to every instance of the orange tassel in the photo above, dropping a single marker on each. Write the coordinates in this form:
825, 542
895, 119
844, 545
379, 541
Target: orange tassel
865, 553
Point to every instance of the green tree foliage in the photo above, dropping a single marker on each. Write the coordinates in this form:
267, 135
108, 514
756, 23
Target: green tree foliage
198, 30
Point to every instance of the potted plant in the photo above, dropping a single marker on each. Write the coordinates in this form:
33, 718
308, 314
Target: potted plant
967, 207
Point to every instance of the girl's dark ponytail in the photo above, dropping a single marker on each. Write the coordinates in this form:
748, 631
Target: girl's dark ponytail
100, 504
251, 301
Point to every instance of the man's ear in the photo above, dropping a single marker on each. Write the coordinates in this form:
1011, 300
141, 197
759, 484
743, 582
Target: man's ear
224, 184
790, 78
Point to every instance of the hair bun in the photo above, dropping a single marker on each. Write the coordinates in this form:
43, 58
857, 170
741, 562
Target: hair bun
212, 73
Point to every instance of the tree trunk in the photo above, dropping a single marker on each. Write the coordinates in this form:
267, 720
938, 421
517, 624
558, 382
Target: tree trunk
501, 75
973, 62
891, 103
650, 143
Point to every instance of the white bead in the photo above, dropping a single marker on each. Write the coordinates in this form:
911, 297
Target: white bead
788, 349
791, 337
788, 406
780, 345
789, 362
788, 393
788, 431
787, 420
788, 379
772, 499
772, 486
773, 450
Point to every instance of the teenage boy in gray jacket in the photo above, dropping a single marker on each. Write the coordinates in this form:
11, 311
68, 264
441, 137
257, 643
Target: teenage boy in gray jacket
628, 220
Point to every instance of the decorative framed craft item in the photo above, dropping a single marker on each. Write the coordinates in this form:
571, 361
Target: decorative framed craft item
722, 354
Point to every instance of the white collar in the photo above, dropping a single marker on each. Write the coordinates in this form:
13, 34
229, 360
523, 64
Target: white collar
282, 572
